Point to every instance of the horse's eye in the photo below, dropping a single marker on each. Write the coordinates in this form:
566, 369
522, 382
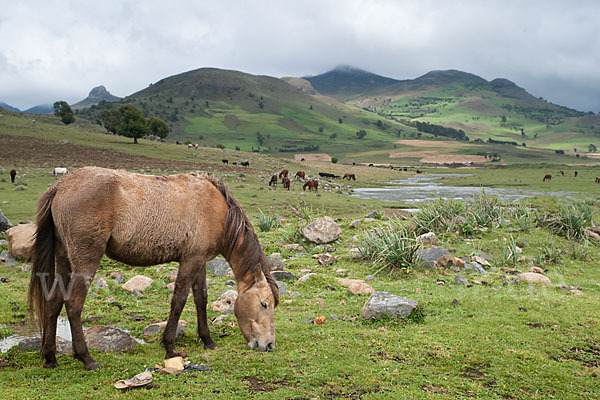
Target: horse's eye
264, 304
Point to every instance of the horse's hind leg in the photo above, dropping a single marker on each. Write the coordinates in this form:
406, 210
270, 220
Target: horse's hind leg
201, 300
81, 279
187, 273
55, 303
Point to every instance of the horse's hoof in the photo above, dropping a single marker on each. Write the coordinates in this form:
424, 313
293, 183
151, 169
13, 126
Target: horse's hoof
176, 353
92, 366
211, 346
50, 365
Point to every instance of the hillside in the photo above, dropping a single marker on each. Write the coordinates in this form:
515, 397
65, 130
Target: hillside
498, 109
258, 113
8, 107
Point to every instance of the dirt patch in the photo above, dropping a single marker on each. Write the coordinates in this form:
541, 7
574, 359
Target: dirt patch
257, 385
412, 154
313, 157
22, 151
452, 159
431, 143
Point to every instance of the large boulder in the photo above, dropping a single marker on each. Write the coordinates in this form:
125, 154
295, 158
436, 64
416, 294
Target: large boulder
4, 222
106, 338
225, 303
430, 255
20, 240
322, 230
384, 305
219, 266
535, 278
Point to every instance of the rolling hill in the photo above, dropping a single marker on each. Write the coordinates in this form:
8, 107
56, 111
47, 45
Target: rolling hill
497, 109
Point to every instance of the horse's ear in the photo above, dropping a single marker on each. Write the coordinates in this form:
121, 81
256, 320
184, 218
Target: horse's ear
259, 276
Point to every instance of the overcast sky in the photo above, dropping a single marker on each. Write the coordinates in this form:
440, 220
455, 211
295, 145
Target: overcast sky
59, 50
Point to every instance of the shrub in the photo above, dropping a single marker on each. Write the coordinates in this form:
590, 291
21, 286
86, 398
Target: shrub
394, 246
437, 216
570, 220
334, 160
267, 222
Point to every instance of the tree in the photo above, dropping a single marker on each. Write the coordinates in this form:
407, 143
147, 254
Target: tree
158, 127
361, 134
133, 124
63, 111
111, 119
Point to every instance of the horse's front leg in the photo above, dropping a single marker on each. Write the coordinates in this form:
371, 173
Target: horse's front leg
201, 300
186, 274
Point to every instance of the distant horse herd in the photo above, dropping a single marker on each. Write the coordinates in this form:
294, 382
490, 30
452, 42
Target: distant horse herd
548, 177
310, 184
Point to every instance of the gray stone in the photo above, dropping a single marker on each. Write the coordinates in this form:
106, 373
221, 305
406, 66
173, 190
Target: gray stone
106, 338
354, 223
372, 214
275, 264
230, 282
382, 305
7, 259
158, 327
4, 222
427, 238
137, 293
474, 266
101, 284
322, 230
370, 278
282, 288
219, 266
63, 346
460, 280
430, 255
283, 275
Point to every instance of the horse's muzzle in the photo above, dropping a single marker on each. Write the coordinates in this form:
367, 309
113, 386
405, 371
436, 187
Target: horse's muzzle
255, 345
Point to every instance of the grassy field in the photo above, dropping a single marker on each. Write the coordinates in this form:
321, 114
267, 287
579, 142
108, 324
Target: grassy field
496, 338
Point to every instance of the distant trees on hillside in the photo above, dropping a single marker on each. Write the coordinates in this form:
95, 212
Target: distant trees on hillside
361, 134
63, 111
439, 130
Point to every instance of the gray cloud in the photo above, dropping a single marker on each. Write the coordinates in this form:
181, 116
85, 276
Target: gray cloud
60, 50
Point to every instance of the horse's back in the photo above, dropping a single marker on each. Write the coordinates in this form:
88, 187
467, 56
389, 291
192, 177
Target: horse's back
142, 219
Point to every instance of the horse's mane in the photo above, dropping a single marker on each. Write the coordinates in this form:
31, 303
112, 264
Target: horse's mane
239, 236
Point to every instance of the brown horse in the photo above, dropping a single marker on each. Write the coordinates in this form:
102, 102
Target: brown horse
561, 172
350, 176
145, 220
283, 173
273, 180
311, 185
300, 175
547, 177
598, 179
286, 183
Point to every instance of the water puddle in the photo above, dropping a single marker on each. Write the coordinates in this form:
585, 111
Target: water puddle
421, 188
27, 331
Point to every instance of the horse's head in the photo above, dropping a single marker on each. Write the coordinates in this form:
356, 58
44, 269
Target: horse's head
254, 312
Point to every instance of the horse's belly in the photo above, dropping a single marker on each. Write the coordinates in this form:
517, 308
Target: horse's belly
143, 254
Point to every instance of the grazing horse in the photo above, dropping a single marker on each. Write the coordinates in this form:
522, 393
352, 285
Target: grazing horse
300, 174
598, 179
145, 220
13, 175
350, 176
547, 177
245, 164
311, 185
59, 171
224, 161
575, 174
561, 172
283, 173
273, 180
286, 183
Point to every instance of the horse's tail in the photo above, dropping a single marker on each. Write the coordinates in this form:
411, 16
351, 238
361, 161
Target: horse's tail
42, 271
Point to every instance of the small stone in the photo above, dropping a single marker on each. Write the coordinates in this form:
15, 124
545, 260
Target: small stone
101, 284
158, 327
428, 238
276, 256
326, 259
219, 266
360, 288
304, 278
230, 282
106, 338
171, 286
282, 289
481, 260
370, 278
576, 292
220, 319
293, 246
171, 276
138, 282
137, 293
283, 275
535, 278
367, 220
383, 304
460, 280
320, 320
536, 270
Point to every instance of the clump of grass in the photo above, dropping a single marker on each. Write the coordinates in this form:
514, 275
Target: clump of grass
437, 216
487, 211
549, 254
522, 216
509, 253
569, 220
5, 332
267, 222
394, 246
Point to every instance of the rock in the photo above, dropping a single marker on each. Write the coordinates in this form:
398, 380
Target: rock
7, 259
117, 276
304, 278
283, 275
372, 214
370, 278
106, 338
101, 284
230, 282
382, 305
475, 267
220, 319
173, 366
457, 262
481, 260
63, 346
460, 280
137, 293
322, 230
360, 288
225, 303
320, 320
427, 238
4, 222
537, 270
219, 266
588, 232
355, 253
430, 255
282, 289
158, 327
535, 278
293, 246
171, 286
20, 240
447, 261
275, 264
138, 282
367, 220
276, 256
325, 259
347, 281
576, 292
354, 223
